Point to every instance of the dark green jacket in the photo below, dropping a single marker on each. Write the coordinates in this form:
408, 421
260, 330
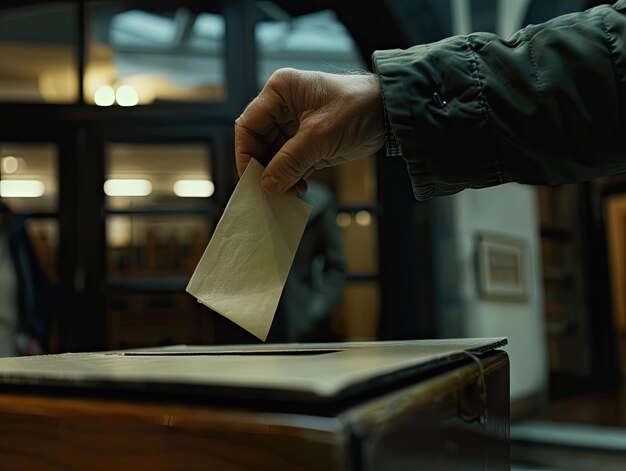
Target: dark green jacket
548, 106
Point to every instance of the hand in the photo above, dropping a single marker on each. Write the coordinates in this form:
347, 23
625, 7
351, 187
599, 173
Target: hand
308, 121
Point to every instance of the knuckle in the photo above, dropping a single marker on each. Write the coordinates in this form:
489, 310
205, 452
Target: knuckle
290, 165
281, 77
319, 130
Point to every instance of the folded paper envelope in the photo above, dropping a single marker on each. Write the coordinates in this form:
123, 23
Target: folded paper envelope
243, 270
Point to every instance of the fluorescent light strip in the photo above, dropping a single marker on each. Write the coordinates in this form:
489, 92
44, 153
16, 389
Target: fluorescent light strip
127, 187
194, 188
22, 188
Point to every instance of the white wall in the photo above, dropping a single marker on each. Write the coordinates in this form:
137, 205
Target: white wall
509, 209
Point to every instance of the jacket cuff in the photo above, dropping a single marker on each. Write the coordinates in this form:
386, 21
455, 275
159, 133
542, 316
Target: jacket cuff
438, 112
392, 146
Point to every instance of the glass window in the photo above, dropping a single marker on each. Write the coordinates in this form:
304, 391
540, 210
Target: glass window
159, 221
354, 188
38, 50
158, 197
358, 219
317, 41
138, 56
29, 187
29, 177
150, 246
142, 175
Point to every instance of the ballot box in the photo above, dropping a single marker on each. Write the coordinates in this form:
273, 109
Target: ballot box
426, 404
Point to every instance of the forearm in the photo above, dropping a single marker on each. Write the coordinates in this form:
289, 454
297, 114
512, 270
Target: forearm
544, 107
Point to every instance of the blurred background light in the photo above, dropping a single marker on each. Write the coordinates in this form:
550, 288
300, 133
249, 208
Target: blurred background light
22, 188
128, 187
126, 96
363, 218
9, 164
343, 219
104, 96
194, 188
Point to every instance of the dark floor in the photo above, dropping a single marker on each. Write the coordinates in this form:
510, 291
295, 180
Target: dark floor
584, 432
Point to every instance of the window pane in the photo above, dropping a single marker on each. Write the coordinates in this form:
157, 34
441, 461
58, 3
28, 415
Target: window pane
153, 175
160, 228
360, 240
29, 177
149, 246
154, 242
29, 185
137, 56
38, 50
357, 218
317, 41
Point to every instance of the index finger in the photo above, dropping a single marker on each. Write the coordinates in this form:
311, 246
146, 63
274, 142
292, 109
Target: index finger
256, 129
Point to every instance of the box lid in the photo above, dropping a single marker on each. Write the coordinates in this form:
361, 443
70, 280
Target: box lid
287, 372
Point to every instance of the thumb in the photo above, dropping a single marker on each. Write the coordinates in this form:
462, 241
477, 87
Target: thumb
289, 165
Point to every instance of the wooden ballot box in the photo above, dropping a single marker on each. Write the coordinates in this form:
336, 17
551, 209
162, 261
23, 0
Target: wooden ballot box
418, 405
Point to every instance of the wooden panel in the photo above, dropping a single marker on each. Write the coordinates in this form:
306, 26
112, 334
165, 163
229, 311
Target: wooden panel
616, 225
47, 433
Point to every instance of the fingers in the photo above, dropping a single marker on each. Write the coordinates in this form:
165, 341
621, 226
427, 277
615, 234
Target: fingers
257, 128
270, 126
289, 165
246, 147
299, 188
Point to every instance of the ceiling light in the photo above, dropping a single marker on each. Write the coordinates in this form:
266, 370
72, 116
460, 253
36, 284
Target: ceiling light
104, 96
363, 218
22, 188
127, 187
126, 96
194, 188
343, 219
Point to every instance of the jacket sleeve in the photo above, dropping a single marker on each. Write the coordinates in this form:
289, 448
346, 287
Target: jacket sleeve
545, 107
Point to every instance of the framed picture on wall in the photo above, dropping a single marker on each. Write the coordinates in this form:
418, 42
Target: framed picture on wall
500, 263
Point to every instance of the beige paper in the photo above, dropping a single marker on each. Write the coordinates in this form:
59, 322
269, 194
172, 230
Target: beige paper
243, 270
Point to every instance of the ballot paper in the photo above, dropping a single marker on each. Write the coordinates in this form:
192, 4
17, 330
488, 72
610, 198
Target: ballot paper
242, 272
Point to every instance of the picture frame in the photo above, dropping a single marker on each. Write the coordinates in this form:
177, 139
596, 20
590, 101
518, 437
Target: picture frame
501, 267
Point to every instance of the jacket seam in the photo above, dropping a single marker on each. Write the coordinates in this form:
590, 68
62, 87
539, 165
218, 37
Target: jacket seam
610, 46
533, 61
482, 100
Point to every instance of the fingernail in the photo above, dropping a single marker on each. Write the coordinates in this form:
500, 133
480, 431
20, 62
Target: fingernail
271, 185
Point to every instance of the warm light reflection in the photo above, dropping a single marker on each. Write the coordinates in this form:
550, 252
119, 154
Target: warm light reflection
104, 96
343, 219
9, 164
127, 187
363, 218
119, 232
194, 188
22, 188
126, 96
